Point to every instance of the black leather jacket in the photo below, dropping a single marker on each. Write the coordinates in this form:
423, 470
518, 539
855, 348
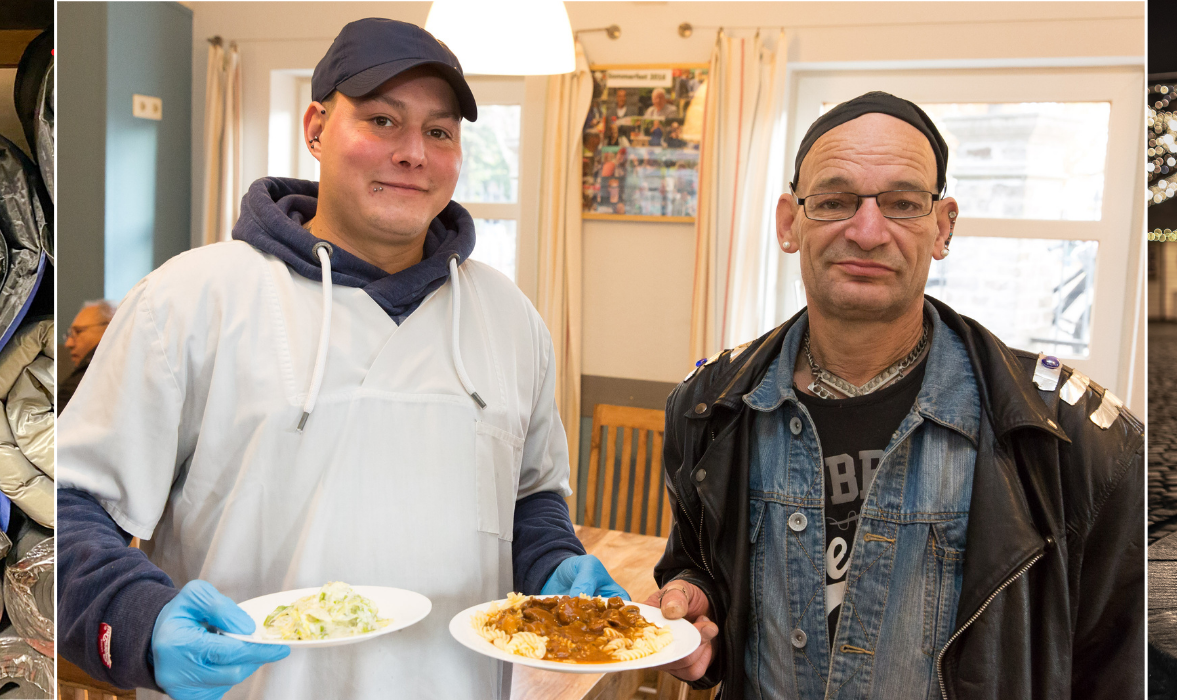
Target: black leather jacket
1052, 600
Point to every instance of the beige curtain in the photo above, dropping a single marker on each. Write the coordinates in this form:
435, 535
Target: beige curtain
222, 142
741, 175
559, 292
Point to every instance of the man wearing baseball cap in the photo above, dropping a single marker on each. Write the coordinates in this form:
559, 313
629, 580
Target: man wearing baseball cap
338, 394
879, 499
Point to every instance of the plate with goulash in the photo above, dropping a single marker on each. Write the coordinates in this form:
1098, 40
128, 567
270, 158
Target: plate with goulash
574, 634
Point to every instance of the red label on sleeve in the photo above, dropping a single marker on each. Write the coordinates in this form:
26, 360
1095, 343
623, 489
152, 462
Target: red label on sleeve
104, 633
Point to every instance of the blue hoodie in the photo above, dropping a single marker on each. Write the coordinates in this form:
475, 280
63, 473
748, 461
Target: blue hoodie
102, 582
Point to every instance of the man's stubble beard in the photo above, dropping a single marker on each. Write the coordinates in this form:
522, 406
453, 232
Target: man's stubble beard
395, 229
366, 221
852, 306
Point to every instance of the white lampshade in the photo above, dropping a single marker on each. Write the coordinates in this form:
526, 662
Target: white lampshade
522, 37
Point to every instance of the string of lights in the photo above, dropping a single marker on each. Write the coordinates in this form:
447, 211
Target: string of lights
1162, 151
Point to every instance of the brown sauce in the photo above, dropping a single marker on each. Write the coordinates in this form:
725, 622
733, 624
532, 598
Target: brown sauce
574, 626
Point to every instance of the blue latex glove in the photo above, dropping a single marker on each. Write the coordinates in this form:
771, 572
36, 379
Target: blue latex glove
584, 574
192, 663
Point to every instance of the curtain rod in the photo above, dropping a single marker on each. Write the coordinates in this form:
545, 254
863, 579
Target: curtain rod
220, 43
612, 31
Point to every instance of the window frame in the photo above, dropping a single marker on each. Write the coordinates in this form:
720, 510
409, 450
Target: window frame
490, 91
527, 93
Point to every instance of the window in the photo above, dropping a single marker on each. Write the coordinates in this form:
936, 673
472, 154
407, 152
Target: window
1044, 166
1028, 160
488, 186
1035, 294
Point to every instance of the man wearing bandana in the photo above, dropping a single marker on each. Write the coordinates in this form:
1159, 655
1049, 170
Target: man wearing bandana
880, 499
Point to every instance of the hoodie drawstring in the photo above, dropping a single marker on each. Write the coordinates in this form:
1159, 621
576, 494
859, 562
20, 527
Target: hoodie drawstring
323, 251
466, 383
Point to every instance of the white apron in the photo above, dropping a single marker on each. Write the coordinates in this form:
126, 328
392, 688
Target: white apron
399, 478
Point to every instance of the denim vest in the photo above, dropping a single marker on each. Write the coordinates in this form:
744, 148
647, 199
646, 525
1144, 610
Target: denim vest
904, 579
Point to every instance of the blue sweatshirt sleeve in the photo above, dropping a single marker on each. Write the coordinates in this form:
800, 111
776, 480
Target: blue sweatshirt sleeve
101, 581
543, 538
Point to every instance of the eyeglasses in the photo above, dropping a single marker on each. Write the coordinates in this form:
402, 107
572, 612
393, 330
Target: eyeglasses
893, 204
75, 331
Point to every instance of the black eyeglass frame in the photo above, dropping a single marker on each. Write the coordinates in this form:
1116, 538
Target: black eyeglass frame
858, 204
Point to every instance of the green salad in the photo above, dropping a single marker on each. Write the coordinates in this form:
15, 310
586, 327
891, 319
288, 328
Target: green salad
335, 611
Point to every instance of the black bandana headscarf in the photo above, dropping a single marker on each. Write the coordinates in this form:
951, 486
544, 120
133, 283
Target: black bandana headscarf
883, 103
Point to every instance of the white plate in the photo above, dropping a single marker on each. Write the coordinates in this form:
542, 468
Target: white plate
686, 640
404, 607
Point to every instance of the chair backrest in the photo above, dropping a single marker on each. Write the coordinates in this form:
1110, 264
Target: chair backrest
635, 481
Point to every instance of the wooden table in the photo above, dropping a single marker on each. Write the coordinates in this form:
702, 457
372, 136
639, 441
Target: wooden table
630, 559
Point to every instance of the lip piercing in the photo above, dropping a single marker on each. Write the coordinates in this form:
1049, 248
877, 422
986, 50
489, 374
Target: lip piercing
377, 189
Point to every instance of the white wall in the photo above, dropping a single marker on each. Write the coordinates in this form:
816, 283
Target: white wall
638, 277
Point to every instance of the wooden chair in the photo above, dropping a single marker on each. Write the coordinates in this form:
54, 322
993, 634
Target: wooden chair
644, 469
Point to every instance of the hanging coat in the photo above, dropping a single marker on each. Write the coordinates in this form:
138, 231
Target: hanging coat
25, 225
27, 381
185, 429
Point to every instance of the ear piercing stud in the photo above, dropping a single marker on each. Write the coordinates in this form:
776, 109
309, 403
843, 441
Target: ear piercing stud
951, 226
313, 141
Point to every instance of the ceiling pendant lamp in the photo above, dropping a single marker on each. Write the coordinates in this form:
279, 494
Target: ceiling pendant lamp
522, 37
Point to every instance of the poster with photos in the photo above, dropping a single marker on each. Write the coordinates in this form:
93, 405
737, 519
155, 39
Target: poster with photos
641, 142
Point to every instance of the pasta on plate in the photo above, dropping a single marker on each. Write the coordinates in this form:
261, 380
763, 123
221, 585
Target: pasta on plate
570, 630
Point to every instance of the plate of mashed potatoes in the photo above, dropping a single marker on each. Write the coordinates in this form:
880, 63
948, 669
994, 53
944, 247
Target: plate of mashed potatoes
331, 615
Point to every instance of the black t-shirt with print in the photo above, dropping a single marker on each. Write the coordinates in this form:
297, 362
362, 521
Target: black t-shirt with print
853, 434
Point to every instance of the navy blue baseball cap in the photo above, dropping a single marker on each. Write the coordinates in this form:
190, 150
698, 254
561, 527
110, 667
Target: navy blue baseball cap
369, 51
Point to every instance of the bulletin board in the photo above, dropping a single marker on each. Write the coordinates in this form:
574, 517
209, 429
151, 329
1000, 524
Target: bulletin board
641, 142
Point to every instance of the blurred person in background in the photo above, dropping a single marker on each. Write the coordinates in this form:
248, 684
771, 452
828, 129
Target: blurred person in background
81, 340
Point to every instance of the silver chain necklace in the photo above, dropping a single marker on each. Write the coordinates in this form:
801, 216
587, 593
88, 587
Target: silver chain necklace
832, 381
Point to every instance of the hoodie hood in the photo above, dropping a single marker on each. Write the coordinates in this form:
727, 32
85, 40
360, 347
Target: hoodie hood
275, 208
